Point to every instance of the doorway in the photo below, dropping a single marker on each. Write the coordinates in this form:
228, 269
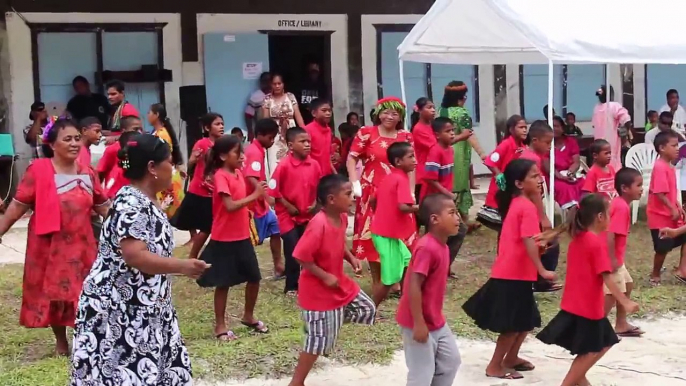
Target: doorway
289, 55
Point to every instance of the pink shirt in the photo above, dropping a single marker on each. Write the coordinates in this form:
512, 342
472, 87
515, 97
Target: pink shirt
600, 181
513, 261
662, 180
620, 222
529, 154
604, 128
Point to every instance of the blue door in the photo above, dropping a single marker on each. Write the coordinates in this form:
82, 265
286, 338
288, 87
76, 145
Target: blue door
413, 73
230, 60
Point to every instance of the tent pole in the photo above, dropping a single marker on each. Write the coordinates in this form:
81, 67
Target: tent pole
402, 90
551, 198
608, 115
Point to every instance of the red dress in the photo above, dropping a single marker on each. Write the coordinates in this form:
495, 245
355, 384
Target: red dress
371, 148
56, 264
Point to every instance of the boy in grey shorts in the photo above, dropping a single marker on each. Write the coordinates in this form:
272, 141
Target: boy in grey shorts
431, 352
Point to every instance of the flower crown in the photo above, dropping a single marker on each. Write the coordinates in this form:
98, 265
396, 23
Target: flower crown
48, 128
389, 103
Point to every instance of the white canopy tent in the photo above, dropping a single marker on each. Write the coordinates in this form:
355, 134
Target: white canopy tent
534, 32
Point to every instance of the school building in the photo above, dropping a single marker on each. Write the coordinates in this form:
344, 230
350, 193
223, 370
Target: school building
214, 49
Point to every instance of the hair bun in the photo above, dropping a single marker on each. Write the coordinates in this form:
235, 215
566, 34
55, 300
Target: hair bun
123, 156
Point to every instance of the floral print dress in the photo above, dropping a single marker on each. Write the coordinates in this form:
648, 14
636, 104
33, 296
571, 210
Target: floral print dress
127, 332
278, 110
370, 148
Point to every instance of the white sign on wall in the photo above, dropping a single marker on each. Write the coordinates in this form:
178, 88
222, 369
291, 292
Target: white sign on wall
252, 70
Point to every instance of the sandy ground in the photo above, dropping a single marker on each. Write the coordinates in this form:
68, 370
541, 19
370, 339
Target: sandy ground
656, 359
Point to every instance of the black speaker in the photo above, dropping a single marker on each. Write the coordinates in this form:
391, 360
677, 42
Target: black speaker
193, 106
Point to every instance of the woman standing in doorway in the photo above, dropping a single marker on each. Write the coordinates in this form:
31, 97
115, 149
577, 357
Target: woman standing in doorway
611, 122
282, 107
61, 247
369, 147
171, 197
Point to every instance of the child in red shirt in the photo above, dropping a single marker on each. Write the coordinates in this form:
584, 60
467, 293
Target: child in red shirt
581, 325
91, 132
195, 211
320, 134
601, 176
294, 188
431, 352
230, 250
393, 224
510, 148
506, 304
663, 209
327, 296
108, 167
629, 185
424, 137
266, 222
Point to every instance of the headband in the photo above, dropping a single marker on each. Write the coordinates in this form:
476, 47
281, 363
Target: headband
390, 103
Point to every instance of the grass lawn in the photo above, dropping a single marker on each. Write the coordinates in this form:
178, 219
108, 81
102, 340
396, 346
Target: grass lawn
26, 355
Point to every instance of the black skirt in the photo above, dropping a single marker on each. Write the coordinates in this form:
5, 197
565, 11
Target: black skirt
233, 263
577, 334
504, 306
194, 213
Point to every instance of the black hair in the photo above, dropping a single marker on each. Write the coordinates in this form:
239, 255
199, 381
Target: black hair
665, 114
672, 91
538, 129
88, 121
350, 115
515, 171
431, 204
602, 94
371, 116
419, 104
397, 151
79, 79
161, 112
589, 208
116, 84
57, 126
127, 121
559, 120
124, 138
294, 132
597, 146
265, 76
222, 145
137, 153
317, 103
662, 139
625, 177
329, 185
206, 121
511, 124
277, 75
452, 97
236, 130
651, 112
266, 126
439, 123
571, 114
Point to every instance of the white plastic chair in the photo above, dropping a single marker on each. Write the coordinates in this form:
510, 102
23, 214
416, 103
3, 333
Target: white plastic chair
563, 213
642, 158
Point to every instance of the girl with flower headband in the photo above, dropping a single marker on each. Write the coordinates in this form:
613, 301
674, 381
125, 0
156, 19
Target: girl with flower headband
506, 304
369, 146
61, 247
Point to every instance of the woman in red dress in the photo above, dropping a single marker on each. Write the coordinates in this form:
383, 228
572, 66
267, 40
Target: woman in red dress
60, 248
369, 146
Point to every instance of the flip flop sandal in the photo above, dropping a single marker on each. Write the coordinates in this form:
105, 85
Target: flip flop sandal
226, 336
277, 277
257, 327
513, 376
654, 282
682, 280
453, 276
633, 333
524, 366
291, 294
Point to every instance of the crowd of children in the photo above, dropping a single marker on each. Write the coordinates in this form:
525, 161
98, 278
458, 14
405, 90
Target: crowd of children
230, 201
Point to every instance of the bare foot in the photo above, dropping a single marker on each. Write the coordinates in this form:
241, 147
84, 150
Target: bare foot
61, 348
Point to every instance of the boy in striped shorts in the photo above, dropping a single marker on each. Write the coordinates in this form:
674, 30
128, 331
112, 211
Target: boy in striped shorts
327, 296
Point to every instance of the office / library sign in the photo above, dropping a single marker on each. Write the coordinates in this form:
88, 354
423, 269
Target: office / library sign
298, 23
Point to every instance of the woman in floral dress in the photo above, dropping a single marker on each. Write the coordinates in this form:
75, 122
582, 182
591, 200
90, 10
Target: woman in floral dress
61, 247
127, 332
369, 147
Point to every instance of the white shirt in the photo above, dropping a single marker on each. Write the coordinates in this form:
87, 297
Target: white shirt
679, 119
650, 135
255, 101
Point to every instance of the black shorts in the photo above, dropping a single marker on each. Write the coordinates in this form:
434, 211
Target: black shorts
664, 246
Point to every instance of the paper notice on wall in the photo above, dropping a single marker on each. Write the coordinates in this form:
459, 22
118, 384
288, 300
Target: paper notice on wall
252, 70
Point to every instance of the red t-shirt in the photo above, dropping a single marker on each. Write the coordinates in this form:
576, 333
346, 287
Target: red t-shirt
113, 174
506, 151
438, 167
295, 181
600, 181
529, 154
229, 226
345, 149
587, 260
620, 222
115, 181
662, 180
254, 168
336, 145
129, 111
324, 244
430, 259
513, 261
84, 157
321, 145
388, 220
424, 139
198, 185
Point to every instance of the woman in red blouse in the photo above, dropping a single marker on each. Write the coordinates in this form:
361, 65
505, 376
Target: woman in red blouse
369, 147
61, 247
